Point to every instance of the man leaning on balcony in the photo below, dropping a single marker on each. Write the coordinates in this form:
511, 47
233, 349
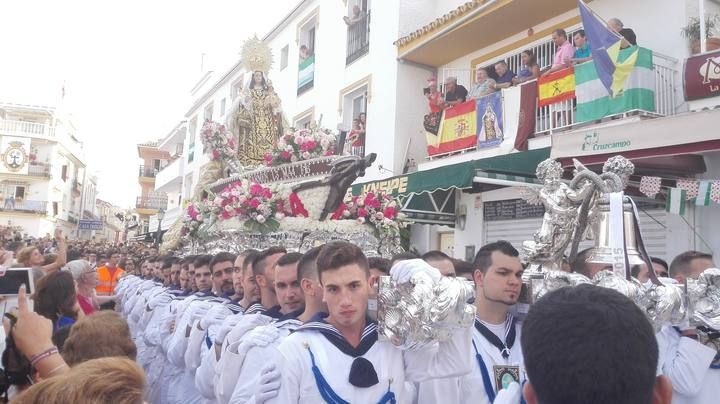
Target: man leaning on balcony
564, 51
454, 93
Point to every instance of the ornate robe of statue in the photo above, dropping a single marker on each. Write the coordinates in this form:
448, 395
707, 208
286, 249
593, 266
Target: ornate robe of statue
257, 123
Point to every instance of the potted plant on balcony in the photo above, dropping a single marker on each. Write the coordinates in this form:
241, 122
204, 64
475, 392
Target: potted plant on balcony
692, 32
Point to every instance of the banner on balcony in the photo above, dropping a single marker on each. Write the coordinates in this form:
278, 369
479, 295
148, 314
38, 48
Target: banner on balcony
702, 76
594, 100
555, 87
458, 130
490, 120
306, 72
15, 153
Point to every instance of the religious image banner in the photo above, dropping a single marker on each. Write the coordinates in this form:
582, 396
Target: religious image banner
490, 120
15, 152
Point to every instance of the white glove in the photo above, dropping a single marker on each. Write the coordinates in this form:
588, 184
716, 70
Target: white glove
261, 336
215, 315
510, 395
227, 325
248, 322
268, 384
403, 271
159, 300
197, 311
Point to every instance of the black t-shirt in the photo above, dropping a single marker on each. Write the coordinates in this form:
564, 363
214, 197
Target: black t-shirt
460, 93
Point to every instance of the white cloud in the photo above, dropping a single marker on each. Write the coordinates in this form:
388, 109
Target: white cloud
128, 67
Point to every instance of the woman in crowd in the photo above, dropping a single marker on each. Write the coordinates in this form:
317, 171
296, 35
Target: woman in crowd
106, 326
105, 380
32, 257
484, 85
56, 299
86, 279
530, 70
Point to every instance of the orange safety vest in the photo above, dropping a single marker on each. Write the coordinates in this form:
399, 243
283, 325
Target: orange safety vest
106, 283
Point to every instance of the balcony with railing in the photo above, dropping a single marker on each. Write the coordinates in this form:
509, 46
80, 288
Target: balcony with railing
23, 206
170, 175
562, 116
41, 130
39, 170
23, 128
147, 172
358, 36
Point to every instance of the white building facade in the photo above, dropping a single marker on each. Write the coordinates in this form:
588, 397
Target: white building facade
379, 63
43, 174
460, 37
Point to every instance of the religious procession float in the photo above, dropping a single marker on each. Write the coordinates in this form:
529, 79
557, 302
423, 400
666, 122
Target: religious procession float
589, 206
269, 184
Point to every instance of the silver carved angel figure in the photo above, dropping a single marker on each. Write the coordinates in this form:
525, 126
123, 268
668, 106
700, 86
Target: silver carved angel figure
561, 207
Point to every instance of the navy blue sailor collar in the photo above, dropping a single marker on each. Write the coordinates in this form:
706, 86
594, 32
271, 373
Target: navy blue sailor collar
367, 339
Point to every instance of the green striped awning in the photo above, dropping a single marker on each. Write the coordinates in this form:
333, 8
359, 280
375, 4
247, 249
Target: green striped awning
503, 177
459, 175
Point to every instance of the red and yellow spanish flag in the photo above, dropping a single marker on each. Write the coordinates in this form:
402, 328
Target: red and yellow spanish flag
458, 130
557, 86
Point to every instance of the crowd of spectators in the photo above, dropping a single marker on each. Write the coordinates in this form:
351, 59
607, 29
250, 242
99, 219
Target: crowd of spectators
567, 53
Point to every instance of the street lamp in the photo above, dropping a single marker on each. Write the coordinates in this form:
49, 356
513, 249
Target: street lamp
158, 235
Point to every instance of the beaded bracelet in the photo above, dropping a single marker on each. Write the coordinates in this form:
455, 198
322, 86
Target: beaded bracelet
42, 355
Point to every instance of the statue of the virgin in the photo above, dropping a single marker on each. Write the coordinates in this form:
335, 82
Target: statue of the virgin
256, 117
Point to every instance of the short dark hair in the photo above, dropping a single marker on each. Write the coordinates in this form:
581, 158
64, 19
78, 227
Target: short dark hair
338, 254
247, 252
379, 263
580, 32
560, 32
579, 265
258, 264
168, 262
249, 258
655, 260
307, 266
501, 62
681, 263
222, 257
289, 259
574, 334
202, 260
403, 256
463, 267
186, 261
483, 258
435, 255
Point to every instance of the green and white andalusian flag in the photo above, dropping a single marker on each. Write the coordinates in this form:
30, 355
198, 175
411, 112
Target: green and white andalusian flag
675, 202
306, 71
593, 98
703, 198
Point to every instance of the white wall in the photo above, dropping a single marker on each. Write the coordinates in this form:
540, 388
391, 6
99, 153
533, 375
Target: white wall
411, 106
425, 237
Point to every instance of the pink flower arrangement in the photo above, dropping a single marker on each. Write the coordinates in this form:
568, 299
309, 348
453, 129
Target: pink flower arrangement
303, 144
196, 214
377, 209
217, 141
250, 202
